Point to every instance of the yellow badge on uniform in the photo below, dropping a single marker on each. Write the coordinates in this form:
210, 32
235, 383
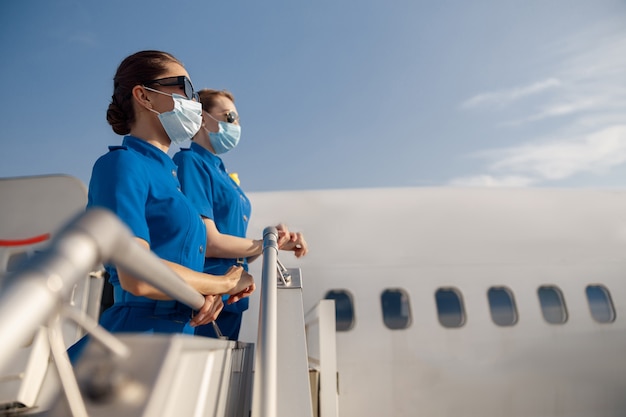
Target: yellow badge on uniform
235, 177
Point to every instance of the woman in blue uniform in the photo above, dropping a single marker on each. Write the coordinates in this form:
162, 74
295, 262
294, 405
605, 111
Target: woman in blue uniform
154, 104
221, 202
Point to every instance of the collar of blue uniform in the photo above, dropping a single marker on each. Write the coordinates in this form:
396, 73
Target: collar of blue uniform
149, 150
207, 155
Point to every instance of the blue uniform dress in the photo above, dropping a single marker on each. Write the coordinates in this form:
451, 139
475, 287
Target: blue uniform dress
217, 197
138, 182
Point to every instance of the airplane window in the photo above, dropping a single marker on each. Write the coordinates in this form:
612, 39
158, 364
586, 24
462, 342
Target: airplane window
450, 307
502, 306
396, 309
600, 304
552, 304
344, 309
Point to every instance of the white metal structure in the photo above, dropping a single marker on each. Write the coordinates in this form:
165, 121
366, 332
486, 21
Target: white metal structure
32, 210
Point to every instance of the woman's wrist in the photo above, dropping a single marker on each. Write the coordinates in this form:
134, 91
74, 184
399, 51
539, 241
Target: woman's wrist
259, 245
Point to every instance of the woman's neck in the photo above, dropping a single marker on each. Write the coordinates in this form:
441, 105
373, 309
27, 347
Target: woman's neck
153, 137
202, 139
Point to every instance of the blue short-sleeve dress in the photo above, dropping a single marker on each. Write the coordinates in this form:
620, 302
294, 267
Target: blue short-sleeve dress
216, 196
139, 183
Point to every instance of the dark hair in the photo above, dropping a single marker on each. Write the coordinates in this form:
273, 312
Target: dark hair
208, 96
136, 69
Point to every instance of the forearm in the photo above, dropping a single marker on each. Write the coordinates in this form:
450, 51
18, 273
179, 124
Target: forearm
228, 246
204, 283
221, 245
138, 287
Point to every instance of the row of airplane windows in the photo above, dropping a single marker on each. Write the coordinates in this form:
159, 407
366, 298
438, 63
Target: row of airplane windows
396, 309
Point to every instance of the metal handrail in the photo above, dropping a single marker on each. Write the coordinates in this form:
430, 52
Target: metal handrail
265, 393
37, 291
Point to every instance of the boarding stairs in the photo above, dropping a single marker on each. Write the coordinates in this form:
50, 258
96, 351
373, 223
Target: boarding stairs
50, 298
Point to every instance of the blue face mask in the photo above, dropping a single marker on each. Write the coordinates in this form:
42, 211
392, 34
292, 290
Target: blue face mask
183, 121
226, 138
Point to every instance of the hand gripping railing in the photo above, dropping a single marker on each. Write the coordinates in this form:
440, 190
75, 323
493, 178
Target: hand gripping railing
36, 292
264, 397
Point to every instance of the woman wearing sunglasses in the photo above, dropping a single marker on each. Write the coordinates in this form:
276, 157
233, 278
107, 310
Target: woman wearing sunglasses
223, 205
154, 105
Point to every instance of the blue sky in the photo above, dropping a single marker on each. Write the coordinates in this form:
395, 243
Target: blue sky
341, 93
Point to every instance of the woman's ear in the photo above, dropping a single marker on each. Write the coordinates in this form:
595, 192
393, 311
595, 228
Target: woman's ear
204, 118
140, 96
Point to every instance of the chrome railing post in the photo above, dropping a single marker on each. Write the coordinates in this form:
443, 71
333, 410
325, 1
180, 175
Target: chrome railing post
264, 397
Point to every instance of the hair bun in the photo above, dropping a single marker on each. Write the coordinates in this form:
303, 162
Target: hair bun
117, 119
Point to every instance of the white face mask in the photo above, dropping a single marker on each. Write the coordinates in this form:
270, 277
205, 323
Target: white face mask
183, 121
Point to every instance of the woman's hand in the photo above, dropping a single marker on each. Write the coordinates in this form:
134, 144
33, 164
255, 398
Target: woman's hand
283, 234
243, 294
241, 283
295, 243
212, 307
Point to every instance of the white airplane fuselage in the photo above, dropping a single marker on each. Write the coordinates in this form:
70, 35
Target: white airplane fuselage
421, 242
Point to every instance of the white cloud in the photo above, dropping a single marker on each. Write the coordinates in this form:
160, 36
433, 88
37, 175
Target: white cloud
557, 160
504, 97
531, 164
589, 76
569, 107
584, 116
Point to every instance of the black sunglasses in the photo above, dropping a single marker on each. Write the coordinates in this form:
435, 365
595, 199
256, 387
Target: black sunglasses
180, 80
231, 117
